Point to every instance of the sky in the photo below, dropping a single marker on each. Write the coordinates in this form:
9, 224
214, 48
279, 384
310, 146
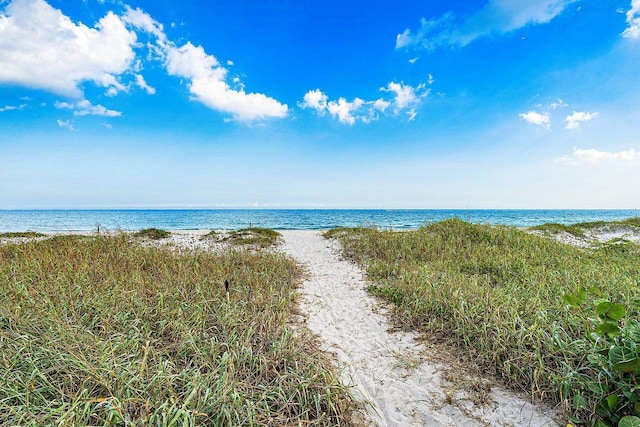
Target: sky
485, 104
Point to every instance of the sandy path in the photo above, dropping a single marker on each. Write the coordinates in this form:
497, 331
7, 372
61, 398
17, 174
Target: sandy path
388, 370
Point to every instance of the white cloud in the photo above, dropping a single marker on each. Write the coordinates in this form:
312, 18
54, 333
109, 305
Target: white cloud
343, 110
559, 103
142, 84
66, 124
591, 155
139, 19
573, 121
633, 21
540, 119
404, 99
405, 95
381, 105
42, 48
85, 108
316, 100
208, 85
12, 107
496, 17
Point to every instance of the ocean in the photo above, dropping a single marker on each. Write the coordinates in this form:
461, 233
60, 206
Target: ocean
284, 219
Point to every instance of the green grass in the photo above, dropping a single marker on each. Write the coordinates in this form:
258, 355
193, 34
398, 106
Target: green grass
579, 229
555, 228
152, 233
256, 236
27, 234
635, 221
495, 293
98, 330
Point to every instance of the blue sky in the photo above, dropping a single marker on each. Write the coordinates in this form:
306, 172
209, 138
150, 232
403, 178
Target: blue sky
320, 104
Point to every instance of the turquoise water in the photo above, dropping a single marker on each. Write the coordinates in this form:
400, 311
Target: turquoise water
292, 219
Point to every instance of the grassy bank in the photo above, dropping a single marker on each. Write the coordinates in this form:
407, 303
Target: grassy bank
496, 293
99, 331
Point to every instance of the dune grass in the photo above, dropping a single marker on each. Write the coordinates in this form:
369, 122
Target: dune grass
495, 293
153, 233
101, 331
555, 228
255, 236
580, 228
26, 234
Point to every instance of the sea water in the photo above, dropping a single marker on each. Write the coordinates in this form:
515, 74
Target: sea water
284, 219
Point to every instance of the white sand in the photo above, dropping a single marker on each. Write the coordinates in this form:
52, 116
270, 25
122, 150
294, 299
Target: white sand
390, 370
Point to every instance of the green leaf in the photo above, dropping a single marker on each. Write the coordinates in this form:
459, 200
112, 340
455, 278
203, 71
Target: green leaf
570, 299
624, 359
612, 402
629, 421
608, 328
630, 366
611, 310
576, 298
600, 423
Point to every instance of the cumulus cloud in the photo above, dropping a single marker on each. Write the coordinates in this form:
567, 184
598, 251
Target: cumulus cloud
85, 108
43, 49
574, 120
404, 98
316, 100
540, 119
495, 18
633, 21
208, 85
591, 155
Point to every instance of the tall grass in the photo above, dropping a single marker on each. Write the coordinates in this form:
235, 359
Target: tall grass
496, 294
99, 331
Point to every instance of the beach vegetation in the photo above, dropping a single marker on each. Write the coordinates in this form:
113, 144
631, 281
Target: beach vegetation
211, 235
98, 330
555, 228
152, 233
23, 234
253, 236
494, 296
580, 228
